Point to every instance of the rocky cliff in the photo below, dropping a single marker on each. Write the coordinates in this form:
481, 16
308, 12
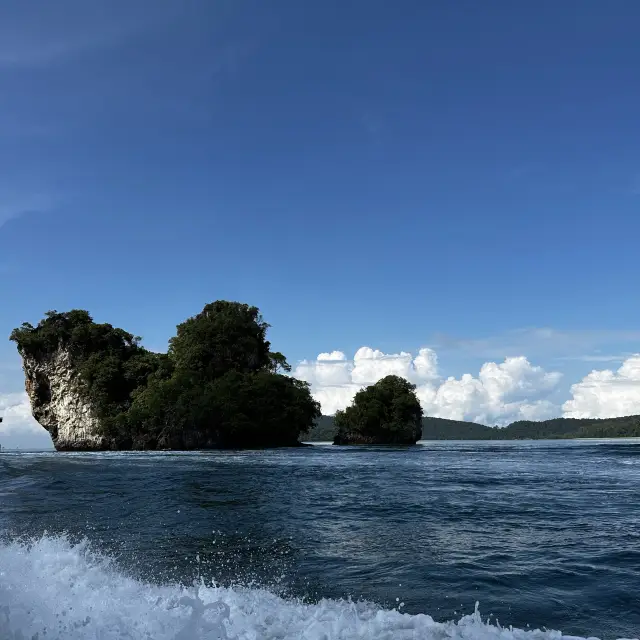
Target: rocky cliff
59, 404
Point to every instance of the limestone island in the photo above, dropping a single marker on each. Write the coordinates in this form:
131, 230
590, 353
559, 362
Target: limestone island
387, 412
94, 387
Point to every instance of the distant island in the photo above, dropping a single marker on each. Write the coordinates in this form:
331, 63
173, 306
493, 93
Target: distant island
94, 387
325, 429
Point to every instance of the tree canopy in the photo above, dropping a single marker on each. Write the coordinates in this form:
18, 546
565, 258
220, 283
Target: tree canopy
224, 336
109, 361
218, 386
387, 412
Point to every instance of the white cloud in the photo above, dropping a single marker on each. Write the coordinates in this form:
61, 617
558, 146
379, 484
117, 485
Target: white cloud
333, 356
370, 365
16, 413
500, 393
18, 428
607, 394
335, 380
336, 397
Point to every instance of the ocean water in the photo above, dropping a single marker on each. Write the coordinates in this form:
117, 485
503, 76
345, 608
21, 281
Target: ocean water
475, 541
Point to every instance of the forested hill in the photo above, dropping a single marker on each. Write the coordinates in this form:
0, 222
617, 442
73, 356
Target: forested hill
443, 429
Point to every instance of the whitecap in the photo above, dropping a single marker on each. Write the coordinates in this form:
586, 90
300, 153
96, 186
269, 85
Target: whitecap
53, 589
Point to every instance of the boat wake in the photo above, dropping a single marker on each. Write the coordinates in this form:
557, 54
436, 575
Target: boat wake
53, 589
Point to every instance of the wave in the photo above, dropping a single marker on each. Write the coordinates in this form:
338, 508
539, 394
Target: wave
54, 589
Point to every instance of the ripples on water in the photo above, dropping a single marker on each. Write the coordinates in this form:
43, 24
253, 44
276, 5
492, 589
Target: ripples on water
542, 534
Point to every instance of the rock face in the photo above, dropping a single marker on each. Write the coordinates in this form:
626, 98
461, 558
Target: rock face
58, 404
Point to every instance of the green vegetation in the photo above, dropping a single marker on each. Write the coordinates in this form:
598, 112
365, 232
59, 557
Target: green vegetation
218, 386
442, 429
386, 412
110, 362
323, 430
569, 428
627, 427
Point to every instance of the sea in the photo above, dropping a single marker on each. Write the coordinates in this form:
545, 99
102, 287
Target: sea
443, 540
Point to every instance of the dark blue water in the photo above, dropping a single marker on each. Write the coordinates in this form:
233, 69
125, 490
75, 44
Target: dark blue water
541, 534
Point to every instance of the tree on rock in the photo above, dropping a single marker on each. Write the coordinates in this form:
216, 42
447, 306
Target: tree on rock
387, 412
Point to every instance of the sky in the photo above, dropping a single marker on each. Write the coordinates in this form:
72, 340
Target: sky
445, 190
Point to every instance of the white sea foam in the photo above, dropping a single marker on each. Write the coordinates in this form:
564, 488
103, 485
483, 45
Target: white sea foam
51, 589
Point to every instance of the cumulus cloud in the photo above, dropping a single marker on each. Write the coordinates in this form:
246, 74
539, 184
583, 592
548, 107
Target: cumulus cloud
606, 393
500, 393
335, 380
18, 428
16, 411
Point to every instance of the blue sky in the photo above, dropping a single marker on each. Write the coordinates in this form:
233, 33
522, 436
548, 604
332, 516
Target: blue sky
458, 175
